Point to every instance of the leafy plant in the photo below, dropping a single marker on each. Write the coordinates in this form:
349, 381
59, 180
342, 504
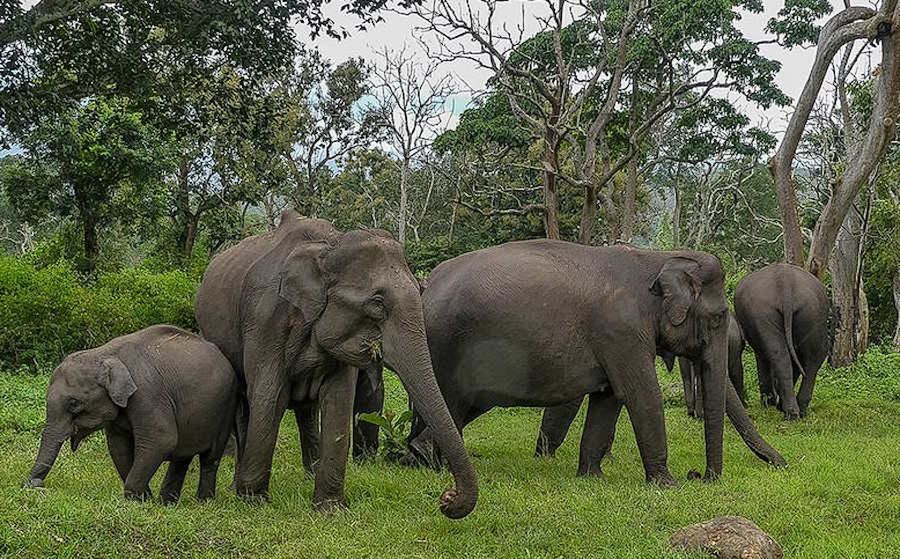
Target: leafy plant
394, 429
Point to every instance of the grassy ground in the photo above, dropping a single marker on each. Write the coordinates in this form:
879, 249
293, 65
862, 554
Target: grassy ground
840, 496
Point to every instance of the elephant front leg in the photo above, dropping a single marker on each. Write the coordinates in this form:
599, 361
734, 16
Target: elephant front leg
336, 403
268, 402
638, 386
555, 425
121, 449
599, 431
307, 417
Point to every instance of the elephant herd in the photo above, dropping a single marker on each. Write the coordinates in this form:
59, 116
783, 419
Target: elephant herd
303, 317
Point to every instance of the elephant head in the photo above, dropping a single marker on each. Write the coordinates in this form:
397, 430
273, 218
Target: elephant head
693, 322
360, 301
86, 392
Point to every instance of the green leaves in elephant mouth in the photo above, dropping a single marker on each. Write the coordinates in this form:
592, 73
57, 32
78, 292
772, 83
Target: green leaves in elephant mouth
373, 348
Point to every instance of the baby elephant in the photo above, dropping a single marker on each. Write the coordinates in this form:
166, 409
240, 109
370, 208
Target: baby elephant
160, 394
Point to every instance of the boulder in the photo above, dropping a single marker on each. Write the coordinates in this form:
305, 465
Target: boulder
727, 537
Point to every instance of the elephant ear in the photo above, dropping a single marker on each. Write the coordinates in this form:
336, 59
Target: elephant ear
118, 381
302, 281
679, 286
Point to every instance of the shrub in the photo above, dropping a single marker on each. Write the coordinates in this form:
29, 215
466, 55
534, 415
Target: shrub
47, 313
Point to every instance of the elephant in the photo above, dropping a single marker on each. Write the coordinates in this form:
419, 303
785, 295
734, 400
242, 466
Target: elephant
693, 394
160, 394
297, 311
545, 322
784, 313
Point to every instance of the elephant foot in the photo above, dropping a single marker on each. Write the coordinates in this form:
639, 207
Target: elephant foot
251, 496
592, 470
663, 480
331, 506
168, 500
139, 496
768, 400
792, 415
35, 483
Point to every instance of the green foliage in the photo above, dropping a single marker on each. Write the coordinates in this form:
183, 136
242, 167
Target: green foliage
882, 261
795, 23
875, 375
49, 312
394, 430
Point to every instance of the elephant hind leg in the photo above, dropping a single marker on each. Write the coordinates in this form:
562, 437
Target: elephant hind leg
209, 470
369, 399
782, 370
599, 431
766, 385
307, 418
170, 491
555, 425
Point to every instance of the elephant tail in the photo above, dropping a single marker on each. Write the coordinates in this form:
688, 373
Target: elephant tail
787, 314
739, 417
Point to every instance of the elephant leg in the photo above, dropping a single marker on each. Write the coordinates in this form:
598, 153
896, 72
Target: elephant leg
766, 386
209, 470
687, 381
697, 388
555, 426
307, 417
369, 399
268, 402
736, 375
121, 450
170, 491
336, 401
599, 431
782, 371
634, 381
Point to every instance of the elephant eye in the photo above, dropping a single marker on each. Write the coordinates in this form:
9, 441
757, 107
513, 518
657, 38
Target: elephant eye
375, 307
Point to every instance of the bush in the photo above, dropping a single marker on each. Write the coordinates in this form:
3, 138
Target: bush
49, 312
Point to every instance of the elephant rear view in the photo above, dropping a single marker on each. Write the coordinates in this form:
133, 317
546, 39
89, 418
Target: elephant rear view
783, 312
297, 312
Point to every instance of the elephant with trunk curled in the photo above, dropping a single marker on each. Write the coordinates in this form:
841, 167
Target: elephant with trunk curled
297, 312
543, 323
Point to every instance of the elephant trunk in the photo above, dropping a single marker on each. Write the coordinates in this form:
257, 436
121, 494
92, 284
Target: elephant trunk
52, 440
738, 416
714, 373
406, 352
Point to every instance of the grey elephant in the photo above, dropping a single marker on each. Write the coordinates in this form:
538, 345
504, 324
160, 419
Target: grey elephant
298, 311
693, 393
543, 323
784, 313
160, 394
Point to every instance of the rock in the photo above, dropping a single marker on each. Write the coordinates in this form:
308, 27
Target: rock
727, 537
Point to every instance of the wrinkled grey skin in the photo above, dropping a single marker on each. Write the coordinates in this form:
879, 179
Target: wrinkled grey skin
542, 323
783, 311
693, 393
297, 312
160, 394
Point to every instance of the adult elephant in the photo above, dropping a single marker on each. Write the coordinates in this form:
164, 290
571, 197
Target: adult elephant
297, 311
542, 323
557, 420
784, 311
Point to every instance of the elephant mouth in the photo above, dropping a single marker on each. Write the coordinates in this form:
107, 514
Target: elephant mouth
77, 436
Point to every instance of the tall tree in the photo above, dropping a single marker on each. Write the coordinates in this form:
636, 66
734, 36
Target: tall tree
411, 107
96, 163
852, 24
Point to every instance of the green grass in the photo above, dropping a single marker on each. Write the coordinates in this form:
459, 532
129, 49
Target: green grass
840, 496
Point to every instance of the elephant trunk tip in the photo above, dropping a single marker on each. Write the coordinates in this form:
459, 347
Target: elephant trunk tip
33, 483
454, 507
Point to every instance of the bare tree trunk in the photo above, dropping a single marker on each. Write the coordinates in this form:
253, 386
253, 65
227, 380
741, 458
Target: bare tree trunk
452, 225
896, 285
551, 166
588, 215
404, 201
676, 220
843, 266
628, 209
